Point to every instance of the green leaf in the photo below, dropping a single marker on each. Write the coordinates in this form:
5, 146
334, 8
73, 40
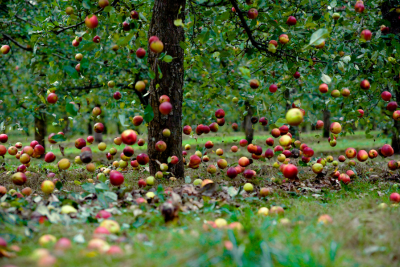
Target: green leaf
148, 114
58, 138
71, 71
126, 39
188, 180
152, 75
108, 8
110, 196
168, 58
59, 185
86, 4
326, 79
101, 187
89, 46
178, 22
245, 72
89, 187
122, 119
318, 37
72, 109
280, 122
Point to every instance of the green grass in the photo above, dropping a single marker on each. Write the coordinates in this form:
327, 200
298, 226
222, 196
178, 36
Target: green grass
361, 234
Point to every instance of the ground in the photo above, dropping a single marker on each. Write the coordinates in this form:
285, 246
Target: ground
363, 232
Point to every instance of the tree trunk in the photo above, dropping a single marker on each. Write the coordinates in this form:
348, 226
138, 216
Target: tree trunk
389, 14
41, 129
247, 125
171, 83
327, 123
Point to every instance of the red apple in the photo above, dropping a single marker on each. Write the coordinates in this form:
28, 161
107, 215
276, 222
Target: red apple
52, 98
365, 85
3, 138
129, 137
386, 96
143, 159
140, 53
220, 113
91, 22
366, 35
116, 178
117, 95
291, 21
165, 108
273, 88
96, 39
252, 13
137, 120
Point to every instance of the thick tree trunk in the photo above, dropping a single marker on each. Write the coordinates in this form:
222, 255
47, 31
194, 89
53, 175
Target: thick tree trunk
171, 84
41, 129
327, 123
247, 125
389, 14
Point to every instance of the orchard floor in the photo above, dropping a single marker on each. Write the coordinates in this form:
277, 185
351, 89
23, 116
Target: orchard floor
362, 233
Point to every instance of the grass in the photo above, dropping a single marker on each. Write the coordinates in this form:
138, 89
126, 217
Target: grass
361, 234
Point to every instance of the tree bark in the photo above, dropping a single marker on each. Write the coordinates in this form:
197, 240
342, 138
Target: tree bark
392, 17
327, 123
247, 125
41, 129
171, 84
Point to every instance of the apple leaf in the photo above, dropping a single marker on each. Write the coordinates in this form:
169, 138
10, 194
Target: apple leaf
89, 187
280, 122
126, 39
168, 58
86, 4
148, 114
108, 8
122, 119
245, 72
326, 79
71, 71
72, 109
110, 196
188, 180
58, 138
178, 22
318, 37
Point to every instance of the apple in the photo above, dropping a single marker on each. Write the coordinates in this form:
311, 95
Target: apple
117, 95
365, 85
220, 113
317, 168
359, 6
335, 16
19, 178
52, 98
275, 43
386, 96
219, 152
276, 210
221, 121
391, 106
3, 138
24, 158
112, 226
222, 163
387, 150
12, 150
213, 127
281, 157
164, 98
275, 132
248, 174
344, 178
143, 159
137, 120
385, 29
80, 143
91, 21
39, 150
5, 49
323, 88
361, 112
103, 3
157, 46
252, 13
372, 154
351, 174
263, 121
116, 178
290, 171
140, 86
273, 88
335, 128
140, 53
21, 168
49, 157
248, 187
270, 141
278, 148
96, 39
294, 117
187, 129
129, 137
90, 167
366, 35
345, 92
395, 197
291, 21
284, 129
142, 183
285, 140
308, 152
98, 128
325, 219
134, 14
165, 108
243, 142
269, 153
64, 164
161, 146
47, 187
283, 39
254, 84
128, 151
393, 165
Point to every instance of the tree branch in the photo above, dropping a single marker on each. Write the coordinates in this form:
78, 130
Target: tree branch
26, 48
